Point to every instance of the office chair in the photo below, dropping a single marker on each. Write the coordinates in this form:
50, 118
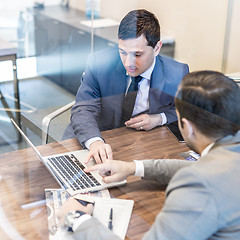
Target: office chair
48, 118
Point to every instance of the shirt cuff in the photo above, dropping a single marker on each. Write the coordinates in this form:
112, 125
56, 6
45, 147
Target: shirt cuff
139, 168
91, 140
79, 221
164, 118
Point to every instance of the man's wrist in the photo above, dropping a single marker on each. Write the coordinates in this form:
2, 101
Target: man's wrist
139, 168
80, 220
74, 219
70, 218
158, 119
92, 140
163, 118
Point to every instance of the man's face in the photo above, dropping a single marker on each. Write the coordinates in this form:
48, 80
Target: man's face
136, 56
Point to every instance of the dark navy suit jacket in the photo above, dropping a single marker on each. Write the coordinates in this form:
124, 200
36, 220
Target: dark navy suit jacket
99, 99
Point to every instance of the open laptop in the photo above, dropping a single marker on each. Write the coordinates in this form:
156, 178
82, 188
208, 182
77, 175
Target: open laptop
67, 169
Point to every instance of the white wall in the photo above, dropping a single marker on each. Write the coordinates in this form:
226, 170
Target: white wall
198, 27
233, 57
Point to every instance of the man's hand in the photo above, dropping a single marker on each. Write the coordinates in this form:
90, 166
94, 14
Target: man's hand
72, 205
144, 122
100, 151
113, 170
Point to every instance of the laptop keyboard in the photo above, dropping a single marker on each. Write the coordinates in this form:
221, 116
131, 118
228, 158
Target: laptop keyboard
71, 170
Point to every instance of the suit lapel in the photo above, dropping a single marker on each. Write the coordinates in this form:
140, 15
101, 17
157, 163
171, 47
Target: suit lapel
156, 85
119, 83
119, 78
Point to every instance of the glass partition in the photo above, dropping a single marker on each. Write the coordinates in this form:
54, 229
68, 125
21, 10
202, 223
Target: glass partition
49, 49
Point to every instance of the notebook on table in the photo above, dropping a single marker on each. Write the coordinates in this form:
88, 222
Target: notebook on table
121, 212
67, 169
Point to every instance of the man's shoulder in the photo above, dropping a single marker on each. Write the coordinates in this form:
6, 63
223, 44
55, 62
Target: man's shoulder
170, 62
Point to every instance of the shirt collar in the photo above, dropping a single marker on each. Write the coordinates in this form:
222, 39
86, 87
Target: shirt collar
206, 150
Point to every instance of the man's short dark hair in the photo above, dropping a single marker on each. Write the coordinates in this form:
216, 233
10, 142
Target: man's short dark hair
211, 101
138, 22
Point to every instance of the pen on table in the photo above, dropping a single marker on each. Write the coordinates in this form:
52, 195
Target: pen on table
110, 225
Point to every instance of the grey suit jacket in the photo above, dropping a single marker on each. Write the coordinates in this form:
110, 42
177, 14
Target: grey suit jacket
202, 200
99, 99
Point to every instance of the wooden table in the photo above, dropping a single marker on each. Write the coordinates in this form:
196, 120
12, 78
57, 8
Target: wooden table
24, 179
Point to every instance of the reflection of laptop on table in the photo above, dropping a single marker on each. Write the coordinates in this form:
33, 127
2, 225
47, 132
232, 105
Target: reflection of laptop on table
67, 169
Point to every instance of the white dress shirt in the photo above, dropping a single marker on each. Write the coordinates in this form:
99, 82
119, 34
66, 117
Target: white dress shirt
142, 99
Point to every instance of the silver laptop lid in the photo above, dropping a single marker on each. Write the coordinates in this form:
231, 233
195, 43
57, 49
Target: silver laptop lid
27, 140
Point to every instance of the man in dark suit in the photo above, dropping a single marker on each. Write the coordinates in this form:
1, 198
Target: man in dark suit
109, 96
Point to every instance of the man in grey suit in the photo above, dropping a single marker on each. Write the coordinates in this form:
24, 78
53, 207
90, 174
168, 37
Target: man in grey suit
203, 199
104, 97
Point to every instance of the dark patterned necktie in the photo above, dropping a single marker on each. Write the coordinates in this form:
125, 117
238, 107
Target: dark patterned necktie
129, 100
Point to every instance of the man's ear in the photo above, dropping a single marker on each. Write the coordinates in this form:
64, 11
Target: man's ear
157, 48
188, 128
